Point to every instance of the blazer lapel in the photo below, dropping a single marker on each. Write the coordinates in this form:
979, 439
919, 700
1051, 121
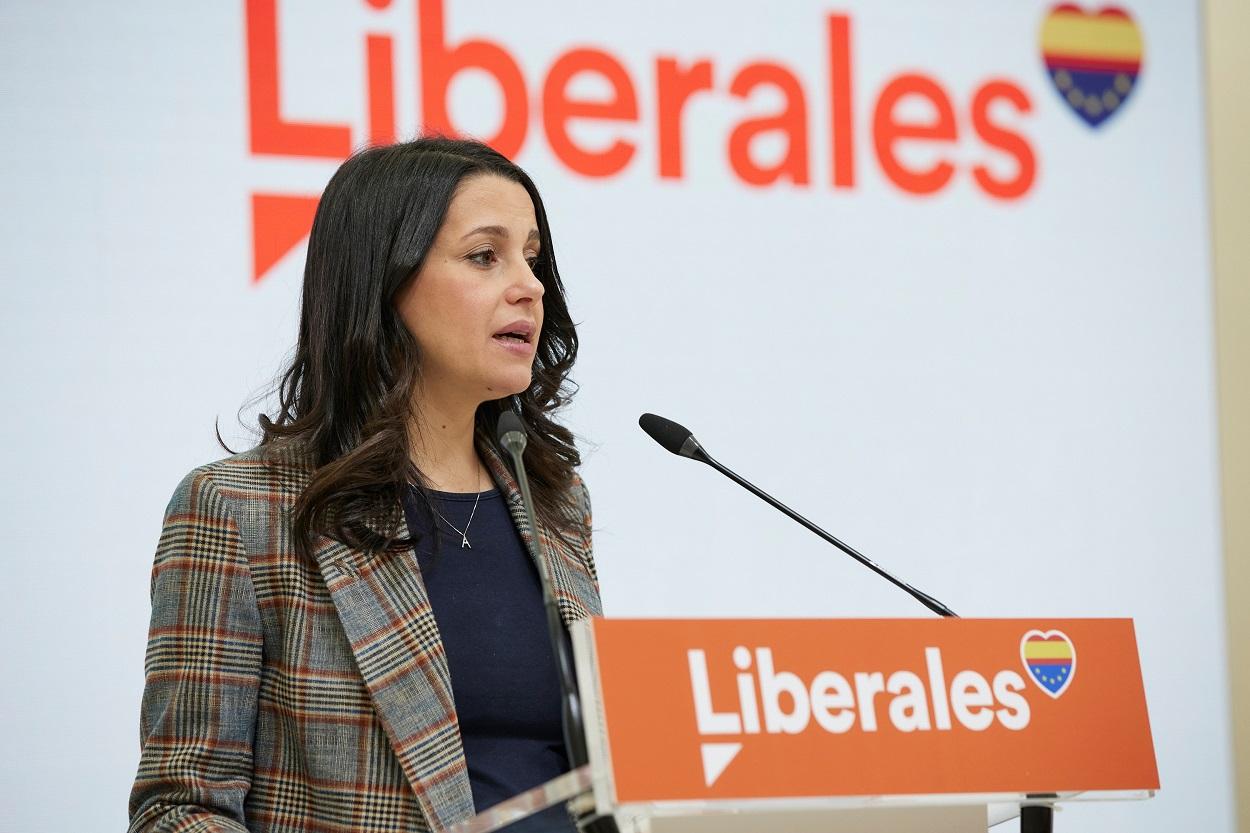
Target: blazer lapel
390, 624
576, 594
389, 621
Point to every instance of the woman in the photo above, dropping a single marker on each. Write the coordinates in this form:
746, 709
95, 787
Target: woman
347, 629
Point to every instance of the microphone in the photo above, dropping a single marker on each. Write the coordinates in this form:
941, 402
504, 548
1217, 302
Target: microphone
680, 441
511, 435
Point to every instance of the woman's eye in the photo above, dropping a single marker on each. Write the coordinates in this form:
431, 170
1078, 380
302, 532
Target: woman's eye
483, 258
533, 262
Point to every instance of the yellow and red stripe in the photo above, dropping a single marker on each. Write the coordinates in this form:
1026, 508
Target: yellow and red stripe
1053, 651
1106, 41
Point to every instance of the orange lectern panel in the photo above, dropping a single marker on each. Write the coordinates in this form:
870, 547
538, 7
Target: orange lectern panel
790, 708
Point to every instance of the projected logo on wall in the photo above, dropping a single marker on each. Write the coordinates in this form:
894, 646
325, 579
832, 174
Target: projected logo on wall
1093, 59
922, 134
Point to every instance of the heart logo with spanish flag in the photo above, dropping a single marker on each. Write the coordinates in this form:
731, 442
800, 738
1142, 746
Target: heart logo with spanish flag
1050, 659
1093, 59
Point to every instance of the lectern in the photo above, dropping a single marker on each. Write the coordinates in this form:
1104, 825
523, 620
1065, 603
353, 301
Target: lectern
849, 725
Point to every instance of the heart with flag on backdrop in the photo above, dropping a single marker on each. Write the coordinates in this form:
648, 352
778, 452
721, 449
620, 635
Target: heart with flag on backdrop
1093, 59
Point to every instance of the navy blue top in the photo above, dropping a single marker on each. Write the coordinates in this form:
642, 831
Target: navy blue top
488, 604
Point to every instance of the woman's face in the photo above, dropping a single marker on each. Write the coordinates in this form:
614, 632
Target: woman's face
475, 307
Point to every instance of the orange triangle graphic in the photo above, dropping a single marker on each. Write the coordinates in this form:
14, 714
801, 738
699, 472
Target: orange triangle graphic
279, 223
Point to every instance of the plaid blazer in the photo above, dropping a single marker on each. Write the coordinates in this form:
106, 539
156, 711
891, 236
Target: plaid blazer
285, 696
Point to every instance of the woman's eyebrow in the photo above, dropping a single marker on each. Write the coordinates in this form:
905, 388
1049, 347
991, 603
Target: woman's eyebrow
499, 231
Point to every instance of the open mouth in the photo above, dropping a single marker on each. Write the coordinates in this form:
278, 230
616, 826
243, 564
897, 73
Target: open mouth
518, 332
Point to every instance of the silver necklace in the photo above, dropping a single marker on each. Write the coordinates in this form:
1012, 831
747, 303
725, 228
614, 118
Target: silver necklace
464, 533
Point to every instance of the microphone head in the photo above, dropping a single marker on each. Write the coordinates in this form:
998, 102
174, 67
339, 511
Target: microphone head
676, 438
510, 431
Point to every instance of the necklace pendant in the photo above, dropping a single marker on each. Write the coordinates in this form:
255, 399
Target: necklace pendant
464, 542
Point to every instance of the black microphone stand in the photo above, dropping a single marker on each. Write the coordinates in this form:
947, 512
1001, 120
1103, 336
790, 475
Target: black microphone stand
511, 435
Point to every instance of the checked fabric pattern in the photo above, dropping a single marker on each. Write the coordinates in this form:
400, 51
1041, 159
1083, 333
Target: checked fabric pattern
286, 696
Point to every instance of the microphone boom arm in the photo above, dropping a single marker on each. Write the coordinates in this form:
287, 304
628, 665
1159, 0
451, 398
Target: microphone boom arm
681, 442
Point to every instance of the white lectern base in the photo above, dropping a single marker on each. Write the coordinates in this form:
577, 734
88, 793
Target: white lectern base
969, 819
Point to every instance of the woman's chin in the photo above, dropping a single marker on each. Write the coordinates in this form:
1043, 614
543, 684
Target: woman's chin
510, 386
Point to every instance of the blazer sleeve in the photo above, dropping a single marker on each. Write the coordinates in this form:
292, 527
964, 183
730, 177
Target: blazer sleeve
202, 671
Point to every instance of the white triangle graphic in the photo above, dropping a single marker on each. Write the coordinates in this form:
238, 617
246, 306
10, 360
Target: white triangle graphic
716, 756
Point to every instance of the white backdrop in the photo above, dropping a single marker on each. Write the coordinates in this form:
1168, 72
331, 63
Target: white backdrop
1008, 402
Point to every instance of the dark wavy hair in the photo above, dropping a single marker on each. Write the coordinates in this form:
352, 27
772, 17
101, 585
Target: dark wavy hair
347, 397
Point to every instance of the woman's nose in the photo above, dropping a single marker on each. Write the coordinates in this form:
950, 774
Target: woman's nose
526, 285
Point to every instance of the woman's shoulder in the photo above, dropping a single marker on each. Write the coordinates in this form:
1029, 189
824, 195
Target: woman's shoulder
264, 473
579, 495
577, 503
575, 506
